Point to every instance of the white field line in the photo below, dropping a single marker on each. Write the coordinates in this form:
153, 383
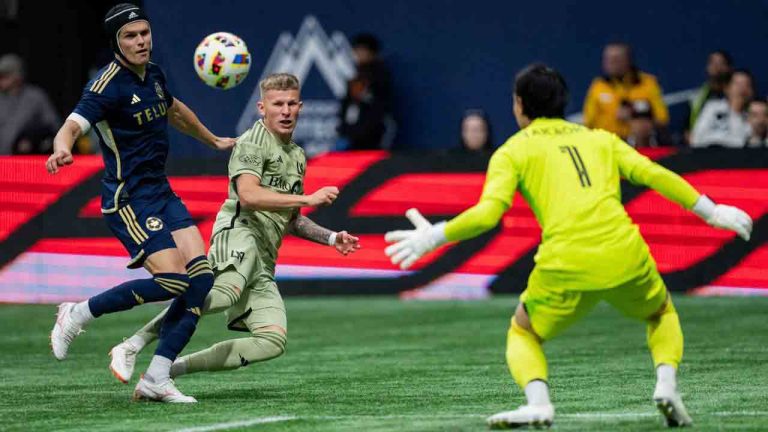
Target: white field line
573, 416
238, 424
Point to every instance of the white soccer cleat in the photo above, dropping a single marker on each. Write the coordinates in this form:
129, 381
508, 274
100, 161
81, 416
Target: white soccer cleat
163, 392
670, 404
123, 361
64, 331
536, 416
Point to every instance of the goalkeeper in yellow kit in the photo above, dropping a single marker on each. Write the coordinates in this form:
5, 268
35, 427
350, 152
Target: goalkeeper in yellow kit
590, 249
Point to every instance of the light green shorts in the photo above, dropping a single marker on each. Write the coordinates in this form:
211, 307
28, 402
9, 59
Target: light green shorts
235, 258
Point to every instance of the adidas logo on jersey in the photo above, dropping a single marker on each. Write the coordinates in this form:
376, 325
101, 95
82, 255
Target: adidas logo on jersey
133, 15
135, 99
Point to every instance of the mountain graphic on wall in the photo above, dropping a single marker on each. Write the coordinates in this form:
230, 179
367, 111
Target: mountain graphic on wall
331, 56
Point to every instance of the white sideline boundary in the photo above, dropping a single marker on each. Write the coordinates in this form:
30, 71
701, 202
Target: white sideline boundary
238, 424
588, 416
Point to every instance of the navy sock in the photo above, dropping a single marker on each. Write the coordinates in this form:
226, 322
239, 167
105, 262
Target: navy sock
163, 286
181, 320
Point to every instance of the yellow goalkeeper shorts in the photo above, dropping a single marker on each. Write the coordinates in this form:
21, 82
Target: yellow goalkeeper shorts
552, 310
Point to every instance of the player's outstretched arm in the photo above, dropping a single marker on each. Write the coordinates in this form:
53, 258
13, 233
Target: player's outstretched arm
410, 245
640, 170
185, 121
499, 188
304, 227
255, 197
62, 146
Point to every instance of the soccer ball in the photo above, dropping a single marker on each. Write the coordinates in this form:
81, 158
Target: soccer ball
222, 60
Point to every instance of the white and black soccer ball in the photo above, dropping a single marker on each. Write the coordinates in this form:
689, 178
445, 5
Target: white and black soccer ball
222, 60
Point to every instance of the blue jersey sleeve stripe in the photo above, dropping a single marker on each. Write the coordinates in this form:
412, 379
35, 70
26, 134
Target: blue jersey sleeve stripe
100, 88
96, 83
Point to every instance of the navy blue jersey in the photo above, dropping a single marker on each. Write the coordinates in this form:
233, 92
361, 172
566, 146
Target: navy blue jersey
130, 117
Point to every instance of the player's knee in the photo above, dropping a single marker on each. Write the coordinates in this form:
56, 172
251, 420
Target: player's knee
268, 343
666, 307
223, 295
170, 285
522, 321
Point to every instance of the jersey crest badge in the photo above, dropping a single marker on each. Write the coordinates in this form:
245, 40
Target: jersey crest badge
159, 91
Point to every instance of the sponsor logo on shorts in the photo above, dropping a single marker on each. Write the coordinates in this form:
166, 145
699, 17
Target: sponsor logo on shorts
238, 255
154, 223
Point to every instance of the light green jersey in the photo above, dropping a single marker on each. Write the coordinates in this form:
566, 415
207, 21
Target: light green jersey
280, 167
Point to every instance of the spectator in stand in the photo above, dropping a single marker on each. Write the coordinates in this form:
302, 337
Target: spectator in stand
476, 132
28, 121
366, 120
363, 116
723, 122
719, 69
642, 132
366, 52
608, 104
757, 117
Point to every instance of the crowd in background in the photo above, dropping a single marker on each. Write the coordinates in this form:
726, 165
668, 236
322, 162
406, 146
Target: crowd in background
628, 102
724, 111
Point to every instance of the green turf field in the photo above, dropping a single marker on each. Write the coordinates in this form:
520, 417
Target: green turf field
367, 364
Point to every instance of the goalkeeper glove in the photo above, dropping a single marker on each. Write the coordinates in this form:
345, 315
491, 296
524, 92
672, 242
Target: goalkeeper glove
410, 245
723, 216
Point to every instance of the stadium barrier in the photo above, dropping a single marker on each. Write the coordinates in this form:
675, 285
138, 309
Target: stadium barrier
54, 245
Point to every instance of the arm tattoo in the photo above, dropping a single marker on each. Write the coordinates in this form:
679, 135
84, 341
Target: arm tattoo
305, 228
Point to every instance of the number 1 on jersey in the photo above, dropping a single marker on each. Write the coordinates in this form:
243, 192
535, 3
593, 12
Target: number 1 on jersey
581, 170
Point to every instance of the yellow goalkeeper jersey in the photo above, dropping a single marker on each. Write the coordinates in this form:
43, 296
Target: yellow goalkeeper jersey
569, 175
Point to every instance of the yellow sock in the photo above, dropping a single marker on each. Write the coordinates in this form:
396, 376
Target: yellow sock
525, 357
665, 337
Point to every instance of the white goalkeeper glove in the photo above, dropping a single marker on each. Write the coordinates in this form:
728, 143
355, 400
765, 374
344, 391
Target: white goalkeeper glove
410, 245
723, 216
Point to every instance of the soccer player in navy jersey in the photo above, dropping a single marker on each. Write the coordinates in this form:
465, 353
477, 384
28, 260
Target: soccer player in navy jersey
129, 105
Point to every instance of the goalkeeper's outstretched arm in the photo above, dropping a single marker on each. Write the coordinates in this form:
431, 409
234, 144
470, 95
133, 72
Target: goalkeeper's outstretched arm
640, 170
499, 188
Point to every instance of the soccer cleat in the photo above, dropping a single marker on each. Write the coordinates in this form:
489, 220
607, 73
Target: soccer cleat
536, 416
670, 404
162, 392
123, 361
64, 331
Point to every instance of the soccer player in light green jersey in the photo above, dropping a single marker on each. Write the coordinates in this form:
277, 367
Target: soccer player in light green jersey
266, 172
590, 250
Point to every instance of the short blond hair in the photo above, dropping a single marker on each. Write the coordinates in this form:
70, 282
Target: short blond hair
278, 81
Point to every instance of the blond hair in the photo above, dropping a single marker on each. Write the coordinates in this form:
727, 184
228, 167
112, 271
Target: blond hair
278, 81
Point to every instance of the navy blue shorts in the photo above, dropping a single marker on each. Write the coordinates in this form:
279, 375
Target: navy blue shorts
144, 226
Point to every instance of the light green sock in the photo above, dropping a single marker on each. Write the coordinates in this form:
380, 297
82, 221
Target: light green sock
232, 354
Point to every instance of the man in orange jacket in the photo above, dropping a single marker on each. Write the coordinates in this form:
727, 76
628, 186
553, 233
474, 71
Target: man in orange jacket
608, 104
